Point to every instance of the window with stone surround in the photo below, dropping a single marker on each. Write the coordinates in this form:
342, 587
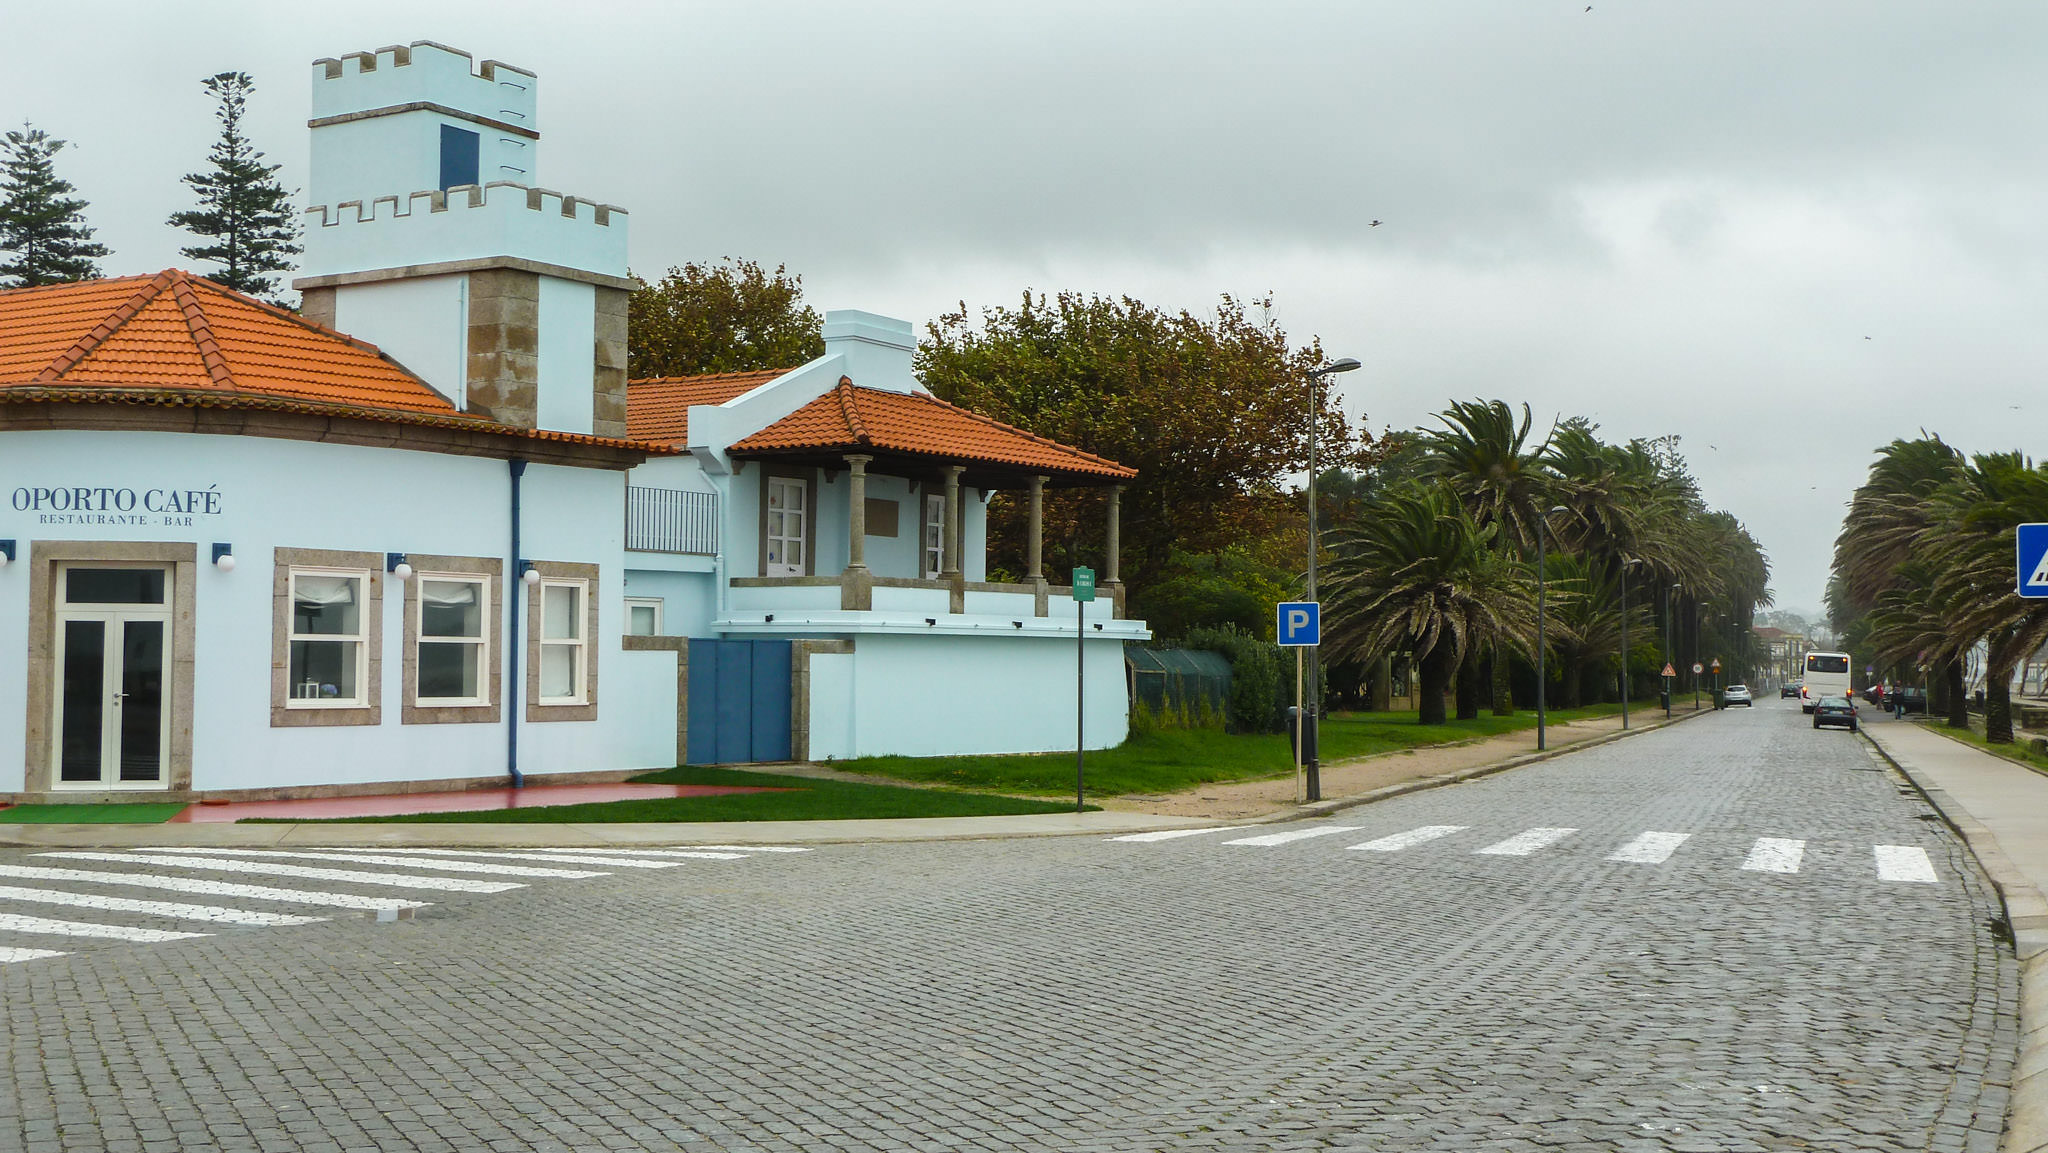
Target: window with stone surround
326, 630
561, 634
453, 629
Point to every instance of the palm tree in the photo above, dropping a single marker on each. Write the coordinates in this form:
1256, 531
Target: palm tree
1423, 575
1972, 533
1484, 455
1882, 567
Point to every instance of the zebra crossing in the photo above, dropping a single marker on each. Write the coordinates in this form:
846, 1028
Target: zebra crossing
310, 885
1907, 864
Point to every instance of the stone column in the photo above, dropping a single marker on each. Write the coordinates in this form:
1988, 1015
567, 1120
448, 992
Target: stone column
1041, 599
951, 530
1113, 546
1036, 557
857, 511
857, 584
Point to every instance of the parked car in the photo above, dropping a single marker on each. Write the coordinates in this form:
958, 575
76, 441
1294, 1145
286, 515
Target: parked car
1788, 691
1737, 695
1915, 700
1835, 711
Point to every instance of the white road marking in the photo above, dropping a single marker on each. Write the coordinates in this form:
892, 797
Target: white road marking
694, 850
212, 888
562, 856
1774, 855
1524, 843
1650, 848
1412, 837
1903, 863
177, 909
403, 862
10, 955
17, 923
1294, 835
345, 876
1175, 834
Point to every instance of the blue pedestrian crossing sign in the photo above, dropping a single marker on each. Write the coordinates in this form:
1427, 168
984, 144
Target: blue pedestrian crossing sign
2033, 560
1301, 623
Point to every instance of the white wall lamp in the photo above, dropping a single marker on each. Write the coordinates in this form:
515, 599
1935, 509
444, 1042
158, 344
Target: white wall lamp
6, 552
528, 573
224, 556
396, 564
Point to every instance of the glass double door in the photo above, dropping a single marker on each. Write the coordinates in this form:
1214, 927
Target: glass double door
113, 635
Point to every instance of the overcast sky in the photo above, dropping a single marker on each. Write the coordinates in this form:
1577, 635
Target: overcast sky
1785, 232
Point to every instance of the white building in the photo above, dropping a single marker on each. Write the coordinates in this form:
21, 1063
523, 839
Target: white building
243, 554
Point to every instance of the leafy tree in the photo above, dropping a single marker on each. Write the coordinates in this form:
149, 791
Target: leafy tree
733, 316
41, 222
1231, 587
1211, 411
245, 216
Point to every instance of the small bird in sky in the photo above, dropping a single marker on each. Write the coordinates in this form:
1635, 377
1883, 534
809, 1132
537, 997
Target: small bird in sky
1866, 338
1589, 7
1374, 224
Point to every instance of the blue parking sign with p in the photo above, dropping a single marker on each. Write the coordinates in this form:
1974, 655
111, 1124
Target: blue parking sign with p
1301, 624
2033, 560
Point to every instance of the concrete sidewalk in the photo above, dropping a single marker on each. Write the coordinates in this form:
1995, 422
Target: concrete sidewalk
2001, 809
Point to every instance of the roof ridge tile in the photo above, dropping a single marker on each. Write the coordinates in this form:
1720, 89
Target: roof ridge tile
849, 409
202, 332
122, 314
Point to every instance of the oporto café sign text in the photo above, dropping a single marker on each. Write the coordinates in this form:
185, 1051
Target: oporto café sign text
86, 504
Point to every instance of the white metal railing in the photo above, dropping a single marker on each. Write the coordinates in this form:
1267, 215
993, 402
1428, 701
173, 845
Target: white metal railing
671, 520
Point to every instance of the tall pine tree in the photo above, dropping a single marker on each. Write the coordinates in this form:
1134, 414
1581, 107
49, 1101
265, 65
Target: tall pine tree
41, 223
244, 214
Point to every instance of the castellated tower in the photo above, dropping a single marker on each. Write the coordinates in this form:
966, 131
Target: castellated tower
431, 238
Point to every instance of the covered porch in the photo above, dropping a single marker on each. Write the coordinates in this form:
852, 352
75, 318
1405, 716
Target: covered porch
941, 454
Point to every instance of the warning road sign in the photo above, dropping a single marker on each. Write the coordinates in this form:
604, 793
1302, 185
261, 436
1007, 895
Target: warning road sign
1669, 671
2032, 544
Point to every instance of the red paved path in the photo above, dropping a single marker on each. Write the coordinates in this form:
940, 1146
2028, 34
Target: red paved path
477, 800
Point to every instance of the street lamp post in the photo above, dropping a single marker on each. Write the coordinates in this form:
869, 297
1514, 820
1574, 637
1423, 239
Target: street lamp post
1313, 719
1542, 559
1697, 608
1627, 564
1667, 648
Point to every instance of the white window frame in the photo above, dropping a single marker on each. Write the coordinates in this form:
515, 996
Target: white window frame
801, 511
931, 541
482, 641
579, 645
654, 603
292, 699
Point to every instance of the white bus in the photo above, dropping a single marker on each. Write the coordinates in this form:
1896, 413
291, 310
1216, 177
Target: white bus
1827, 675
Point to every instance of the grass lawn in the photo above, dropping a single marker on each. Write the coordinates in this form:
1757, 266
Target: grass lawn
137, 814
2021, 751
811, 799
1170, 760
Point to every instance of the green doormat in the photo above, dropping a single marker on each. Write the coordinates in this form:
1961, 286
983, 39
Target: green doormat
147, 814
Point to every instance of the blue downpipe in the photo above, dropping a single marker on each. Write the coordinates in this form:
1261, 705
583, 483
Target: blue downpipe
515, 592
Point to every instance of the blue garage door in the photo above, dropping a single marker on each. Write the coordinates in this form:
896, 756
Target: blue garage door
739, 702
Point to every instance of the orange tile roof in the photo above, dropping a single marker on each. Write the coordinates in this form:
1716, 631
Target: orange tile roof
850, 418
658, 407
179, 340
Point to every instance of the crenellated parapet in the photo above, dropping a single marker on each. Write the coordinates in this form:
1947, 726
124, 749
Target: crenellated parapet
422, 71
465, 223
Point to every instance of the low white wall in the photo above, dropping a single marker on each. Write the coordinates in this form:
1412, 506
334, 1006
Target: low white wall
950, 695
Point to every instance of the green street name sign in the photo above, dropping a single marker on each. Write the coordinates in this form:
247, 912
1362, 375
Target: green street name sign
1084, 584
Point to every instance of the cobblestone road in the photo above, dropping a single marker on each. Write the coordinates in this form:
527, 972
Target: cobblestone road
1088, 994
